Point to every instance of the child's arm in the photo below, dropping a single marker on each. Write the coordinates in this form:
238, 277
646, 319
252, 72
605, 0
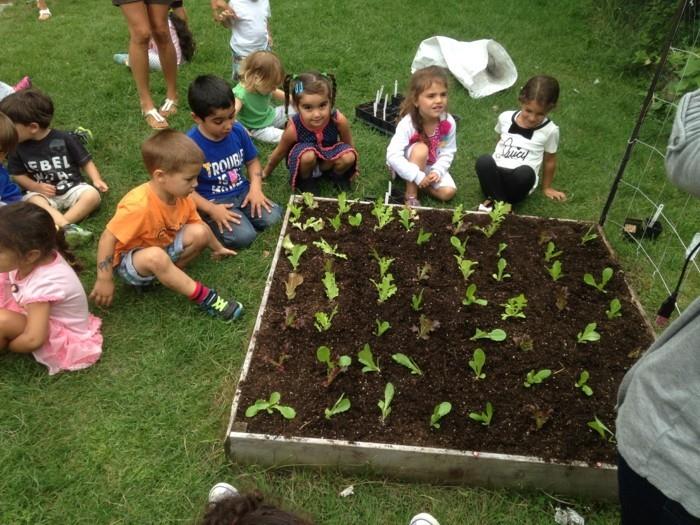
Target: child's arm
36, 331
278, 95
344, 129
288, 140
95, 177
221, 11
396, 156
549, 166
220, 213
103, 291
218, 250
256, 198
29, 184
238, 105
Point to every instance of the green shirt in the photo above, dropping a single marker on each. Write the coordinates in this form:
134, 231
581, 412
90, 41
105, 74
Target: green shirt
257, 111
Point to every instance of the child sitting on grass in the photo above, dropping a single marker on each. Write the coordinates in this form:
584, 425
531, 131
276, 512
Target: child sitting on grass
156, 230
47, 164
234, 206
9, 191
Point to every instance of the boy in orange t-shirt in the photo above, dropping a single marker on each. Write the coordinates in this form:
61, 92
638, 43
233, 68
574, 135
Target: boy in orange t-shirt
156, 230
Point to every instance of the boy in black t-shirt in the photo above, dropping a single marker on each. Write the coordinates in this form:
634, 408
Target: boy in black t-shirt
47, 164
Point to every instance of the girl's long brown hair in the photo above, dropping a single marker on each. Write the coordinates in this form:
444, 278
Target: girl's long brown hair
421, 80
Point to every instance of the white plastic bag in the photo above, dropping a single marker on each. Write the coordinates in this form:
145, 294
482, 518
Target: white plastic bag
483, 67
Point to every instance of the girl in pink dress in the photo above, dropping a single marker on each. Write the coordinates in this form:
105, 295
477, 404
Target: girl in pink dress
43, 307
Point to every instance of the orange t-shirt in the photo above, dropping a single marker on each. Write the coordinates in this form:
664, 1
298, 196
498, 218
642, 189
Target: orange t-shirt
143, 220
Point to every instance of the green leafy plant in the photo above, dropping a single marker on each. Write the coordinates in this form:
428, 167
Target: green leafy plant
383, 262
477, 362
458, 245
385, 288
458, 215
409, 363
406, 215
423, 237
605, 276
535, 378
355, 220
555, 271
539, 415
382, 326
269, 405
514, 307
385, 404
615, 309
293, 281
471, 298
336, 222
312, 223
588, 236
295, 212
494, 335
551, 253
440, 411
561, 299
309, 200
501, 246
466, 266
343, 206
366, 358
417, 301
291, 318
423, 273
589, 334
500, 266
524, 342
297, 251
497, 215
604, 432
326, 248
483, 417
330, 285
333, 366
582, 383
341, 405
425, 327
323, 320
383, 213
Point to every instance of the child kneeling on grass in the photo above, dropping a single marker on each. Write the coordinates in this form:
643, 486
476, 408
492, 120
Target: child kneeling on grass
156, 230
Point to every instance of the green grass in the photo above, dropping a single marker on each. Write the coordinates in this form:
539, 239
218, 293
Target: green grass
138, 438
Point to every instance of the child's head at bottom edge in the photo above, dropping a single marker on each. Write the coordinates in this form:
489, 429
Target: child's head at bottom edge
8, 136
173, 160
249, 509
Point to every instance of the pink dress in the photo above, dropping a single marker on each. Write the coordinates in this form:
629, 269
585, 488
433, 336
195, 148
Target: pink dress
74, 340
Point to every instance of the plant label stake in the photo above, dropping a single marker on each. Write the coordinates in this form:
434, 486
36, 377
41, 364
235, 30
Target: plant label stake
396, 87
386, 99
643, 229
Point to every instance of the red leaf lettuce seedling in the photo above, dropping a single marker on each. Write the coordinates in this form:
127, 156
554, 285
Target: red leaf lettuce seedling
341, 405
440, 411
425, 327
270, 405
334, 366
293, 281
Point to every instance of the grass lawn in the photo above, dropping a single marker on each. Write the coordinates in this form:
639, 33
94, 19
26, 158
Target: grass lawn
138, 438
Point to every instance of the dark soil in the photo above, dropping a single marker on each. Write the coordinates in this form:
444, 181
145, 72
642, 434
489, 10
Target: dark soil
444, 356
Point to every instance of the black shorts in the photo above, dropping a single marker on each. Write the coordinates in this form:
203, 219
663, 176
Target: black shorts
175, 4
122, 2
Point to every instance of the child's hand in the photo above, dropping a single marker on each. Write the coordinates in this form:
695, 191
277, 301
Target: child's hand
257, 201
220, 252
103, 292
100, 185
553, 194
46, 189
224, 217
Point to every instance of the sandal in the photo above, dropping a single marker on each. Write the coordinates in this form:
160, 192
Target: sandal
486, 206
44, 14
168, 108
411, 201
155, 119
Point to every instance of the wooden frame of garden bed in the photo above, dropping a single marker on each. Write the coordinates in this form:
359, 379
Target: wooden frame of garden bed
424, 464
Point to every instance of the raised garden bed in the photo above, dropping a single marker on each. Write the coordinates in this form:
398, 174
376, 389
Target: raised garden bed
564, 454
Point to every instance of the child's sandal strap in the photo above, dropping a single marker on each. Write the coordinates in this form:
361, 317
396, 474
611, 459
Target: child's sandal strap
155, 119
168, 108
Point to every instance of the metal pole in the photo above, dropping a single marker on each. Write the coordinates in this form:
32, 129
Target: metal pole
645, 107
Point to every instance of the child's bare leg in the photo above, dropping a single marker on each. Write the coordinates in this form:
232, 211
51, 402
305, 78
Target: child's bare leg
307, 163
195, 238
41, 4
443, 194
12, 324
155, 261
56, 215
344, 162
88, 202
419, 157
158, 15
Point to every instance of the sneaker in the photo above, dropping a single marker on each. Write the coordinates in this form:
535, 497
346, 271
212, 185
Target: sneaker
222, 491
76, 236
215, 305
25, 83
121, 58
423, 519
84, 135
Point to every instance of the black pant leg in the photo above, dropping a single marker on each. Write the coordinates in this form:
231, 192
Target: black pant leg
490, 178
518, 183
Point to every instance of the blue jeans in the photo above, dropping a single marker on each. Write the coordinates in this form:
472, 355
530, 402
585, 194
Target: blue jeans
242, 235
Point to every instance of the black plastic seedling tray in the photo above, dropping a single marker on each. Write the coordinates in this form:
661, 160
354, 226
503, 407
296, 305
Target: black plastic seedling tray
365, 112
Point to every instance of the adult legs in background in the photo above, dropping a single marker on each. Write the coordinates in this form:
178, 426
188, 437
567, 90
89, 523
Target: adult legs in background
158, 17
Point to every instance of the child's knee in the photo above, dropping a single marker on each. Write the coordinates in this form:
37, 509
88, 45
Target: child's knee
345, 161
307, 160
419, 153
196, 235
151, 261
446, 194
91, 197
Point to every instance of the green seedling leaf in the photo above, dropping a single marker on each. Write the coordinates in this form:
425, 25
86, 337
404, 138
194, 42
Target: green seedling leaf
582, 383
336, 222
341, 405
333, 366
440, 411
382, 326
385, 288
466, 266
501, 266
588, 236
355, 220
501, 246
604, 432
270, 405
535, 378
383, 262
589, 335
409, 363
326, 248
312, 223
406, 215
417, 301
385, 404
606, 275
323, 320
551, 252
295, 212
494, 335
383, 213
458, 245
471, 298
514, 307
614, 310
425, 327
297, 250
366, 358
423, 237
293, 281
477, 363
309, 200
343, 206
483, 417
330, 285
497, 215
458, 214
287, 244
555, 271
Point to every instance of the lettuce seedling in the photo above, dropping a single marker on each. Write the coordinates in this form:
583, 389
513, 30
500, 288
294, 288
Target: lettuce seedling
589, 334
334, 366
495, 335
330, 285
588, 236
342, 405
501, 266
309, 200
417, 301
497, 215
295, 212
605, 433
382, 326
561, 298
423, 237
501, 246
471, 298
297, 250
328, 249
383, 213
423, 273
535, 378
385, 404
614, 310
605, 276
279, 362
466, 266
551, 253
458, 245
514, 307
440, 411
336, 222
293, 281
524, 342
582, 383
313, 223
386, 287
406, 215
343, 206
458, 215
366, 358
270, 405
355, 220
477, 363
323, 320
555, 271
483, 417
539, 415
383, 262
409, 363
291, 319
425, 327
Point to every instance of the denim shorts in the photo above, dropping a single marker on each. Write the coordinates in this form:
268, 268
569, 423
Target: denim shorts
126, 269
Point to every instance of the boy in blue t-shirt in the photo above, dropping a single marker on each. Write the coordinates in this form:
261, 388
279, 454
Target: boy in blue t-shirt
233, 206
9, 191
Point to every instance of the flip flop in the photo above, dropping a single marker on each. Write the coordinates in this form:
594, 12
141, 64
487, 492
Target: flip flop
155, 119
44, 14
168, 108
